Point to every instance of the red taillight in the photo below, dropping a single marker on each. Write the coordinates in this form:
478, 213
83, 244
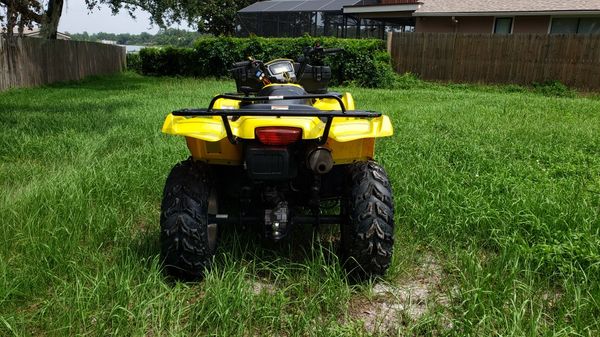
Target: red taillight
278, 135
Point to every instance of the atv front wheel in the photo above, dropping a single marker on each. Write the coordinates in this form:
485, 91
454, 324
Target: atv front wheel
368, 232
187, 239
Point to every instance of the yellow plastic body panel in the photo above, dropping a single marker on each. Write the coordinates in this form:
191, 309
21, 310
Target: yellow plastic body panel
221, 152
353, 151
350, 139
211, 129
342, 130
225, 153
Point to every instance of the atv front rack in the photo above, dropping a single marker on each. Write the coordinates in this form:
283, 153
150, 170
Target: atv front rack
225, 113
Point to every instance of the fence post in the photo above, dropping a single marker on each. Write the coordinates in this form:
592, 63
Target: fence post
390, 36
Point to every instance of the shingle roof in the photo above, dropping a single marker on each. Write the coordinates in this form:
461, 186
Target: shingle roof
487, 6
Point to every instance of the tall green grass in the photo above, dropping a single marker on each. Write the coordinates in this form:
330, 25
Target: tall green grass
501, 187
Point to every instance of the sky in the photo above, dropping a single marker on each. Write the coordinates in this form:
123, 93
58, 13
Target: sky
76, 18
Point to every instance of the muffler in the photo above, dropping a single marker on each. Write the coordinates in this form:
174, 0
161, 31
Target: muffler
319, 160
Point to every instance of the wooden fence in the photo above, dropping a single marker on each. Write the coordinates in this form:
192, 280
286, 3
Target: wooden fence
30, 61
485, 58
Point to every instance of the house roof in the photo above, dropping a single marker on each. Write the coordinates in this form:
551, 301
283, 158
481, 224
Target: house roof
448, 7
36, 32
273, 6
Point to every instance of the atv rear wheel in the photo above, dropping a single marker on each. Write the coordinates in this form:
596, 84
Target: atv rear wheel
187, 239
368, 231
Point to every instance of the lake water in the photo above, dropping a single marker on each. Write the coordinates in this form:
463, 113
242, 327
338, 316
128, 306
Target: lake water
133, 49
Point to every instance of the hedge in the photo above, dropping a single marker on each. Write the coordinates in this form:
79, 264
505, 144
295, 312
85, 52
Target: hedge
363, 62
134, 62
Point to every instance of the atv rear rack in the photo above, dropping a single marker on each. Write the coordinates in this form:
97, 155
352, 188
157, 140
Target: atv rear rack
225, 113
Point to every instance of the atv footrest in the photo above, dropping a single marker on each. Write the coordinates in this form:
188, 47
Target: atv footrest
226, 219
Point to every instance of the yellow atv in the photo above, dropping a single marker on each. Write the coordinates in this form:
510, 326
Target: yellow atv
277, 151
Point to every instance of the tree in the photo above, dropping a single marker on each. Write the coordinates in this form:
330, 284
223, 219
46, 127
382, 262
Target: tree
164, 37
216, 17
20, 14
24, 13
51, 19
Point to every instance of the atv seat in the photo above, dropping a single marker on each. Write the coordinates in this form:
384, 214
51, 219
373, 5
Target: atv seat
282, 104
285, 90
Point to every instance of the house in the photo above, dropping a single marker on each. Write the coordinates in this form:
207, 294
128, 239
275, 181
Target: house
509, 16
395, 11
36, 32
288, 18
373, 18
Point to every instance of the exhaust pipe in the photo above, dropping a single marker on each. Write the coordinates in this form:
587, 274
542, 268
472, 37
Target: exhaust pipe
319, 160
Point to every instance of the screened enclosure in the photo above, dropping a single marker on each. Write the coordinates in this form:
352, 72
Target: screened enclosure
289, 18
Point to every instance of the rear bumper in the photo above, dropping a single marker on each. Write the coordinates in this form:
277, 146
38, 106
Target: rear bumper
225, 153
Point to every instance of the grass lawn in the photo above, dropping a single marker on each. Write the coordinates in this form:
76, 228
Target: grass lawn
497, 197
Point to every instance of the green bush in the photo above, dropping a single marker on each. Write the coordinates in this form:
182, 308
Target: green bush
514, 88
169, 61
553, 88
363, 62
134, 62
408, 81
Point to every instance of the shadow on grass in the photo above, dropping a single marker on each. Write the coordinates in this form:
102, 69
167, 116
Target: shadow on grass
304, 246
298, 247
88, 106
117, 82
81, 117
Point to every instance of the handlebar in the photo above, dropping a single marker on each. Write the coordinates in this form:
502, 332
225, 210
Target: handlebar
312, 55
259, 69
242, 64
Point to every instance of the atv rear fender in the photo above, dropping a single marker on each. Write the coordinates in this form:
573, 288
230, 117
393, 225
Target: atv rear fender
208, 138
343, 129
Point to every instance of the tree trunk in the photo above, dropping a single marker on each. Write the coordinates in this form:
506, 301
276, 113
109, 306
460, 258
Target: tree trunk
11, 20
51, 19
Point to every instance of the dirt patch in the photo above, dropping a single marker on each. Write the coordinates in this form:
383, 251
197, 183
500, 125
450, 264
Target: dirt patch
262, 286
552, 297
140, 228
392, 305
